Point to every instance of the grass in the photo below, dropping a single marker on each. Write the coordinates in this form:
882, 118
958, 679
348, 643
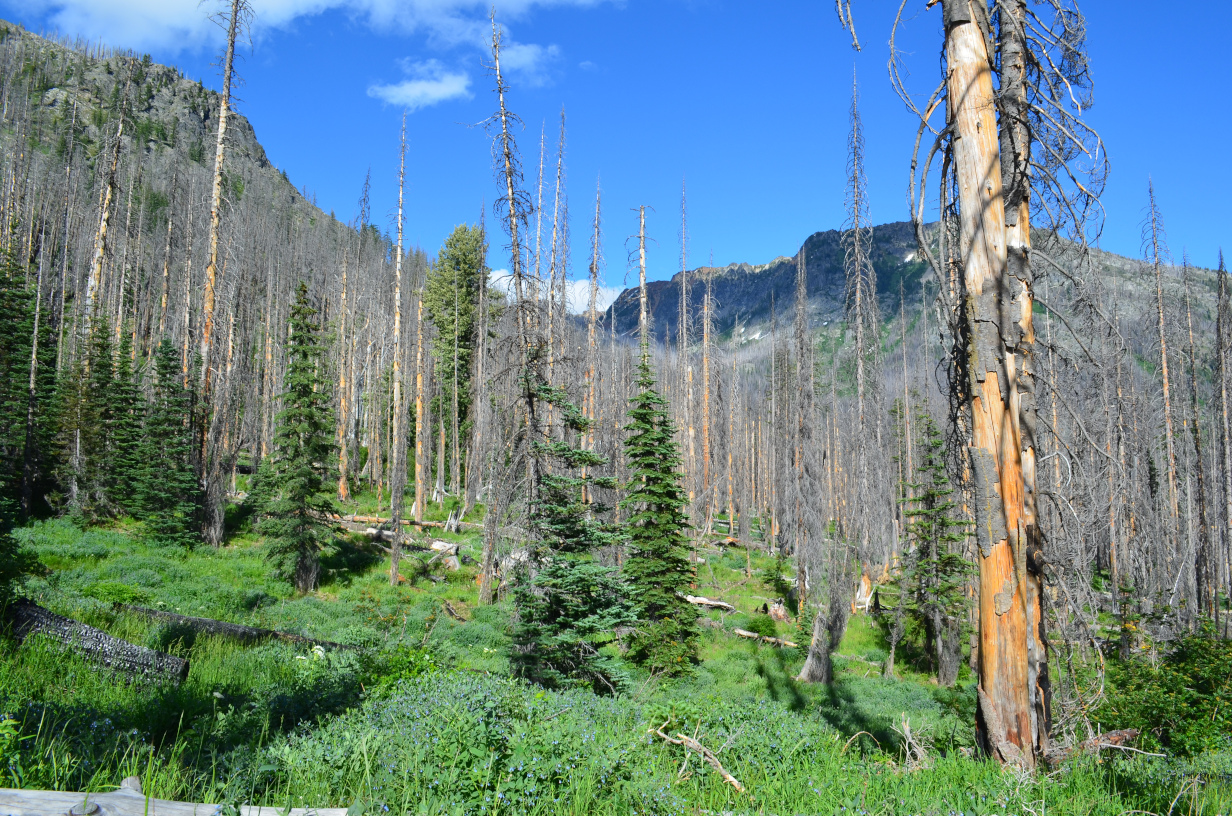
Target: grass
425, 720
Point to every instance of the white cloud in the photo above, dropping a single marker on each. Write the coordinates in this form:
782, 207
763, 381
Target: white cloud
577, 292
529, 61
182, 25
428, 83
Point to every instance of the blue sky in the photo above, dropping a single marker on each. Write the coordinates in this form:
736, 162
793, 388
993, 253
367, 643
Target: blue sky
746, 101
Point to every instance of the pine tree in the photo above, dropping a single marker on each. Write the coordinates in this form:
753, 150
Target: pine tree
451, 296
301, 491
24, 425
658, 568
573, 606
935, 574
167, 491
125, 434
86, 401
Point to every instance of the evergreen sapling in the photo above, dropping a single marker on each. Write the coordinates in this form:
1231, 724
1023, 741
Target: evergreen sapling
295, 518
658, 568
573, 607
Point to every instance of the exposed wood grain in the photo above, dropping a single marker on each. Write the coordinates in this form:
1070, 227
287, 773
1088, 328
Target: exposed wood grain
95, 644
128, 802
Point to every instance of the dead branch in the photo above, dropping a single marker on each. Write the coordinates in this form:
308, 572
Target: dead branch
706, 754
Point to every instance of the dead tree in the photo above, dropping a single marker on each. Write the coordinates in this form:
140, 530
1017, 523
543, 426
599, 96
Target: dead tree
397, 475
994, 141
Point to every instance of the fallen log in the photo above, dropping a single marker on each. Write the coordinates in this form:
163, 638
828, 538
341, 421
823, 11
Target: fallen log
408, 522
706, 753
96, 645
709, 604
129, 801
236, 631
773, 641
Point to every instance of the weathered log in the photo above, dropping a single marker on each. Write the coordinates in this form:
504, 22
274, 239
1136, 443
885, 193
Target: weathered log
773, 641
128, 801
709, 604
466, 525
236, 631
94, 644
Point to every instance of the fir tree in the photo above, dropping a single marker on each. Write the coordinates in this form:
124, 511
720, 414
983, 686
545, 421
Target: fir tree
573, 606
300, 490
125, 414
25, 429
86, 403
451, 299
658, 568
167, 490
935, 574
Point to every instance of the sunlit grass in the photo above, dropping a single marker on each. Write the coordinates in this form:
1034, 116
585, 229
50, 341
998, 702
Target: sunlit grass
257, 723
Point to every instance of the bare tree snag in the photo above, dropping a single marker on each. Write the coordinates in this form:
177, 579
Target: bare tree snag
236, 21
998, 309
1206, 583
397, 464
104, 221
1157, 252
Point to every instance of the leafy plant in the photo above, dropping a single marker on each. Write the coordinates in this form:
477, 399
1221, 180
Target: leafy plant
1182, 704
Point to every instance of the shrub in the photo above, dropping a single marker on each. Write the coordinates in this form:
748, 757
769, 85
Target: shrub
114, 592
763, 625
1183, 704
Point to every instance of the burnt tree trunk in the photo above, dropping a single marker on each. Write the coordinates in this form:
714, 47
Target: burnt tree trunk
94, 644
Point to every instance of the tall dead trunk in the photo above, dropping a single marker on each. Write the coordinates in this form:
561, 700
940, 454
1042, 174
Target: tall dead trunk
239, 10
104, 221
1204, 568
998, 310
397, 464
707, 315
162, 301
682, 333
643, 316
1222, 327
343, 392
1157, 253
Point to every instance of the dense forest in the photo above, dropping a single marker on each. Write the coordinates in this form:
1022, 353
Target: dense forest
973, 439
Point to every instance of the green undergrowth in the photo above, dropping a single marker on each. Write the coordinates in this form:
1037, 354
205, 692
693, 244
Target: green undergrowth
421, 717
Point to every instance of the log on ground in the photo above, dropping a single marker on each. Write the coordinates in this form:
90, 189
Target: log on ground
244, 634
698, 600
94, 644
773, 641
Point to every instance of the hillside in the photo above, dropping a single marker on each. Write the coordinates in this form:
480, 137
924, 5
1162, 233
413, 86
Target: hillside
743, 292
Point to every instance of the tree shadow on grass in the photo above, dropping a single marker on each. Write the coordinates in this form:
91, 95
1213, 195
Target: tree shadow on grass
198, 723
780, 680
344, 562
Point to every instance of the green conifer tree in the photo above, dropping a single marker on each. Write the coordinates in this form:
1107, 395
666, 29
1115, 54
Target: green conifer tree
25, 439
125, 413
573, 607
86, 401
935, 573
300, 491
167, 490
658, 568
451, 299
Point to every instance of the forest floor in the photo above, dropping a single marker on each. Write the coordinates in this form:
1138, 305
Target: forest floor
425, 718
